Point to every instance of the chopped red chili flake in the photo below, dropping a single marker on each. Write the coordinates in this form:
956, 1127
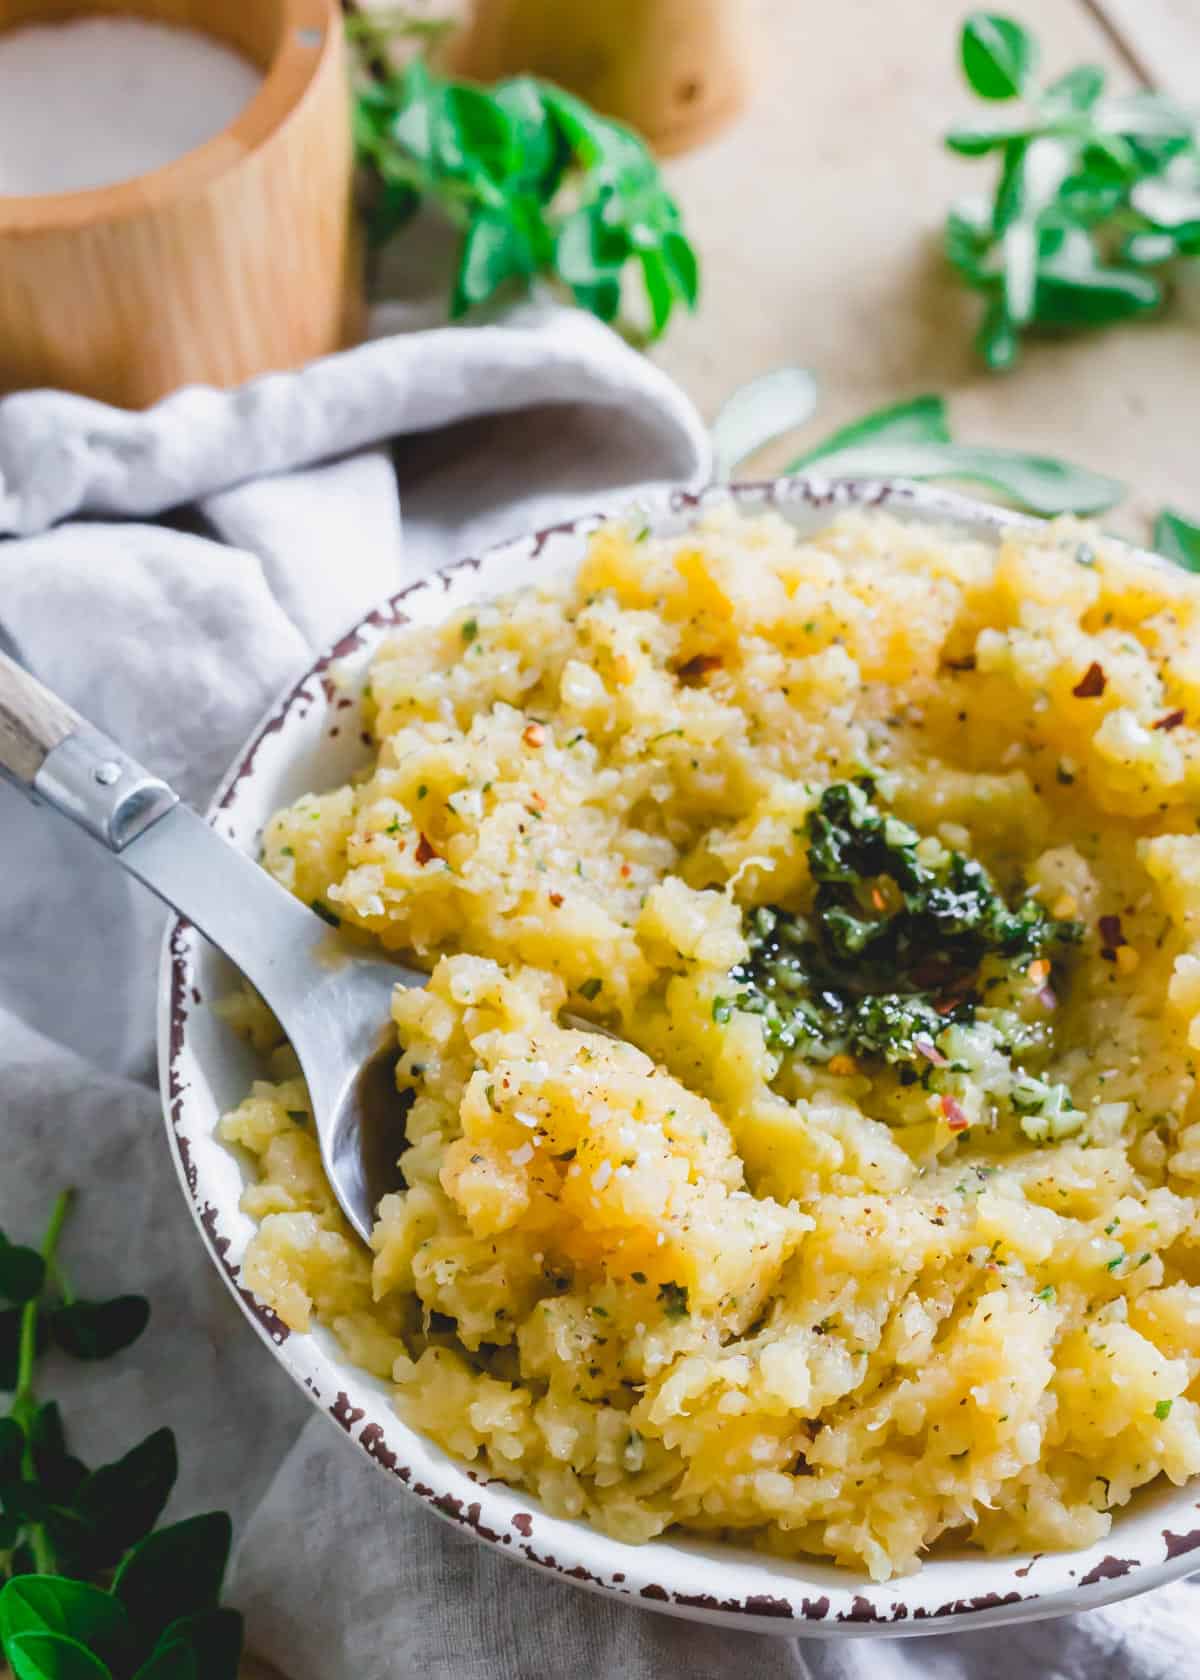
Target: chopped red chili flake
955, 1118
695, 669
927, 1048
537, 801
1092, 683
424, 852
533, 734
1171, 721
1110, 931
556, 899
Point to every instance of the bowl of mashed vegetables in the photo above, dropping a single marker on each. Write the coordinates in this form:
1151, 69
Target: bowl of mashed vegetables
849, 1279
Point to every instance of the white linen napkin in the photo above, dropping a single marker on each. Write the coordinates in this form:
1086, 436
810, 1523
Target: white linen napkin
174, 636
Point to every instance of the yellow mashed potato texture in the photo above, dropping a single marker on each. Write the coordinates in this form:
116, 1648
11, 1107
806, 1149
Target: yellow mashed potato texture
674, 1279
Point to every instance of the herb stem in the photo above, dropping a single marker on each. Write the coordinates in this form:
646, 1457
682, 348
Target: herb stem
24, 1406
62, 1282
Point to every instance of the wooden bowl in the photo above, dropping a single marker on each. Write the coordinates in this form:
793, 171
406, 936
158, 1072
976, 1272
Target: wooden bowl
237, 258
675, 70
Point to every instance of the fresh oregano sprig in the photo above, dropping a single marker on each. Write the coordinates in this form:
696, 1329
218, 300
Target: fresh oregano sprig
537, 182
1095, 197
91, 1589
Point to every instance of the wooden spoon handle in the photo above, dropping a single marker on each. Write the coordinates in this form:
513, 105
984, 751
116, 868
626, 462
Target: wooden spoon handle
33, 721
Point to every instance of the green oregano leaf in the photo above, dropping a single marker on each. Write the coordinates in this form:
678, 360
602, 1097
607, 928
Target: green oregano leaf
211, 1640
535, 180
100, 1329
58, 1471
996, 340
122, 1501
52, 1656
493, 251
75, 1609
998, 56
176, 1663
1077, 90
22, 1272
175, 1572
1092, 191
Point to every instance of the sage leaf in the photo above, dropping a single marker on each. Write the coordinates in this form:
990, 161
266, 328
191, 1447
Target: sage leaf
212, 1640
52, 1656
54, 1604
99, 1329
758, 412
174, 1572
998, 56
1178, 539
916, 420
122, 1501
22, 1272
1038, 483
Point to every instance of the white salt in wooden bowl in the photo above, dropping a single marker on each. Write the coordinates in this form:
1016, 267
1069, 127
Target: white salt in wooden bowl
233, 259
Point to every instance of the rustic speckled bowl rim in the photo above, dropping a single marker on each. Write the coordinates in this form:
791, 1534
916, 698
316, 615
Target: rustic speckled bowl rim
1151, 1543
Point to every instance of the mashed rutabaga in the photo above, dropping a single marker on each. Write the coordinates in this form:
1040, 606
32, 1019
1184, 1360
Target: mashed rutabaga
883, 1225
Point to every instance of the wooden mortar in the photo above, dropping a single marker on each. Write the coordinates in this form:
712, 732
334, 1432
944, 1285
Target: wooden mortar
672, 69
237, 258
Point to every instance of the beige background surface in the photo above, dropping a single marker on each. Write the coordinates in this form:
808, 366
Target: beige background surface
818, 219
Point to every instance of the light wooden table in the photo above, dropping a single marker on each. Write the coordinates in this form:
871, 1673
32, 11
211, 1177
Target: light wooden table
818, 218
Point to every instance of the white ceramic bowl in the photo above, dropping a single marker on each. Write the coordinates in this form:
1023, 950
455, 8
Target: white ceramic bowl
311, 740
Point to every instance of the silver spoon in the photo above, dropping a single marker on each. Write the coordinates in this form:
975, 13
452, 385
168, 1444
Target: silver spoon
331, 997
